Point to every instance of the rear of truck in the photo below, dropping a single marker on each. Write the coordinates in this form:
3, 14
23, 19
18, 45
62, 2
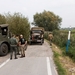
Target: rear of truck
4, 39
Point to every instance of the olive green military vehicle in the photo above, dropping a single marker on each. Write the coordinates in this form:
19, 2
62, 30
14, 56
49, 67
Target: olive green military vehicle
4, 39
36, 35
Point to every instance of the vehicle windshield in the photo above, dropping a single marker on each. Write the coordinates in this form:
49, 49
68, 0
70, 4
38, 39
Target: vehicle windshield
4, 30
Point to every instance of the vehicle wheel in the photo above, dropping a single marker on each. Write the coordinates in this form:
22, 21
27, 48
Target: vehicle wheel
3, 49
29, 42
41, 42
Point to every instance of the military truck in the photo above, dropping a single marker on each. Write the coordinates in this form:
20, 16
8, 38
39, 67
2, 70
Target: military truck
4, 39
36, 35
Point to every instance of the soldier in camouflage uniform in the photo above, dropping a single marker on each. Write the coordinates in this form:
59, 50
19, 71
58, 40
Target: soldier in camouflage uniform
50, 38
13, 44
18, 48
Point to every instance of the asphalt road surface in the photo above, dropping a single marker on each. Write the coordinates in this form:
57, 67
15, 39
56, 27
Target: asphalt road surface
38, 61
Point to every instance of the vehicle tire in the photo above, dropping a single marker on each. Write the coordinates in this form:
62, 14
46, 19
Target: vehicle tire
41, 42
29, 42
3, 49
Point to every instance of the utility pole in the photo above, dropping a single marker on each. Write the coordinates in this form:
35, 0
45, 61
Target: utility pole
68, 41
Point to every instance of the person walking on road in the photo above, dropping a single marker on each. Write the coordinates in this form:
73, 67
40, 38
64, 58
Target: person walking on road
22, 44
50, 38
13, 45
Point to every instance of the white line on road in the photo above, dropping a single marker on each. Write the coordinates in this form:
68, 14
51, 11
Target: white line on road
4, 63
55, 71
54, 67
49, 66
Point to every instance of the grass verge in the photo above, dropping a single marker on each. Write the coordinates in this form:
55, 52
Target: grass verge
60, 69
65, 65
57, 54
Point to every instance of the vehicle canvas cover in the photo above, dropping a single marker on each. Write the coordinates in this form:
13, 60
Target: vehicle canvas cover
37, 28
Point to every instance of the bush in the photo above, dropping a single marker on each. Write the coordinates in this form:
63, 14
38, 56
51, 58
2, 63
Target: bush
46, 35
60, 39
18, 24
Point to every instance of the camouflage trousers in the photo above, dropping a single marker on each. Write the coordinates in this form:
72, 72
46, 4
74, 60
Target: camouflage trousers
50, 42
13, 50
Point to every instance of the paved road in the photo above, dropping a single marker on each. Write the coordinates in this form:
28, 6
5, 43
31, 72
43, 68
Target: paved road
4, 58
38, 61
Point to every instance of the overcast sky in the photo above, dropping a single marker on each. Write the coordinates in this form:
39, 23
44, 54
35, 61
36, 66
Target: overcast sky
64, 8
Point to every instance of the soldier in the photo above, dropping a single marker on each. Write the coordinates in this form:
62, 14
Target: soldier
50, 38
17, 38
22, 44
13, 44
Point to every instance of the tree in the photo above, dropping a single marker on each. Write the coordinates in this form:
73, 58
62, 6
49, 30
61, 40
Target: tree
48, 20
2, 19
18, 24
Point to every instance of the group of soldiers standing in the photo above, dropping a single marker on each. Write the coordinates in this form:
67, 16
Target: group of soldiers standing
17, 44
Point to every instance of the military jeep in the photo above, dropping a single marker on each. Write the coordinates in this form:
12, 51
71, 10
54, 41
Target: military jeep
36, 35
4, 39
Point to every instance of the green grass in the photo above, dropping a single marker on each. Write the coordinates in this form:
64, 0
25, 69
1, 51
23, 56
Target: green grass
60, 69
